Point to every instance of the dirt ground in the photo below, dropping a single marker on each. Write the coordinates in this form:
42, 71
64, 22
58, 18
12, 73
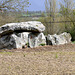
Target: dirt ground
45, 60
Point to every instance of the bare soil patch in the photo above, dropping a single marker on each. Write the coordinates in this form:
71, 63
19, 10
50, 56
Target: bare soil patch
44, 60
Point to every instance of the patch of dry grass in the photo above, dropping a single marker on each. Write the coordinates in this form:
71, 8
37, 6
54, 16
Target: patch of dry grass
37, 63
44, 62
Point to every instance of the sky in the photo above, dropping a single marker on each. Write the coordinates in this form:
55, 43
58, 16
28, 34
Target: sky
37, 5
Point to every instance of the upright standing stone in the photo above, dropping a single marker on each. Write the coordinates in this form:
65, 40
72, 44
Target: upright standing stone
24, 36
58, 39
36, 39
14, 41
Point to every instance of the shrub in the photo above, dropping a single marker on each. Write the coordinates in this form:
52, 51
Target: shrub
42, 44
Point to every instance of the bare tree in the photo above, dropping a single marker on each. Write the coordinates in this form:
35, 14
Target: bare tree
13, 4
50, 6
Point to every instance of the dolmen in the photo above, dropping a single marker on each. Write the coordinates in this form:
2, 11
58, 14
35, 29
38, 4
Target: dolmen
29, 34
21, 35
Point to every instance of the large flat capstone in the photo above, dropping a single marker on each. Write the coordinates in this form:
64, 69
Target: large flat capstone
30, 26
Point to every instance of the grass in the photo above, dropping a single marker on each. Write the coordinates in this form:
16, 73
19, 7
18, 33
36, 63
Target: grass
73, 42
42, 44
6, 53
24, 55
56, 56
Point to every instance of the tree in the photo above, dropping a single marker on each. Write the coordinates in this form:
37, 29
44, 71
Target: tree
17, 5
67, 9
50, 6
